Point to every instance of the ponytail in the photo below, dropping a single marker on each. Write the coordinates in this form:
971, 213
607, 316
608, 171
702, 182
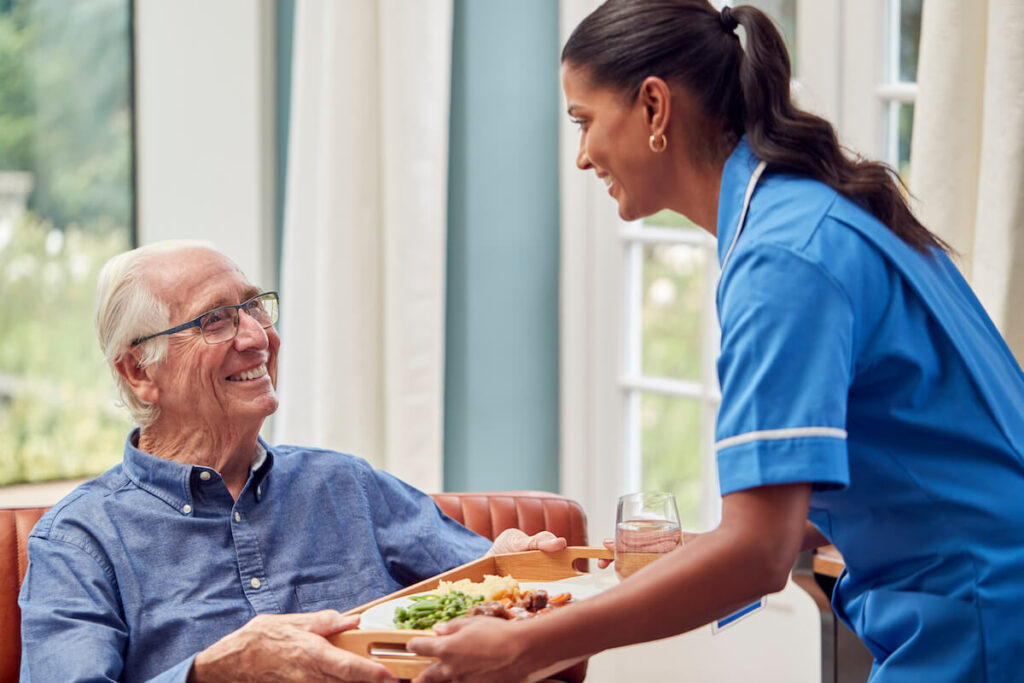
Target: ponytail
793, 140
689, 42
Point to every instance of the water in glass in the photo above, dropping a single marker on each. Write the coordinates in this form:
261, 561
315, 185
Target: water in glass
646, 528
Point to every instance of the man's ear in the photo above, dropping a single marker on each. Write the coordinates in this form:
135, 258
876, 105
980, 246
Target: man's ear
656, 98
139, 378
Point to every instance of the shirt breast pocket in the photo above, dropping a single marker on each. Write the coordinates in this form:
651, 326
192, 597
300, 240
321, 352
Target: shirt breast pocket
339, 593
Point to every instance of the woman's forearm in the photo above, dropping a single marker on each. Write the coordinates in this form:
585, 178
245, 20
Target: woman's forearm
813, 538
706, 579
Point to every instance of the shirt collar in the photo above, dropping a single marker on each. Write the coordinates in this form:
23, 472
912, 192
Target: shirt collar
735, 176
171, 481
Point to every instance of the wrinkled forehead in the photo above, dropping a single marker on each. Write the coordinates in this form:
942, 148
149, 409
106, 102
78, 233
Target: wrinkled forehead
194, 280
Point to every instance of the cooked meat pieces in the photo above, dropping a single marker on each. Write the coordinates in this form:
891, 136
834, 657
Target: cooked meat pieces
489, 609
529, 604
533, 601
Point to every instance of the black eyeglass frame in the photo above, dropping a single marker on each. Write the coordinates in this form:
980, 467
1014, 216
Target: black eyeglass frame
197, 321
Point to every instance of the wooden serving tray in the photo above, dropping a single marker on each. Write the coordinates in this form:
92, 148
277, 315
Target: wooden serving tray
388, 646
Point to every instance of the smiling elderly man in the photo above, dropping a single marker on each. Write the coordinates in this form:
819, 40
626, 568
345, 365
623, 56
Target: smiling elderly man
207, 554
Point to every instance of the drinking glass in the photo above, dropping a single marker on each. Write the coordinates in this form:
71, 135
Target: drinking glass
646, 527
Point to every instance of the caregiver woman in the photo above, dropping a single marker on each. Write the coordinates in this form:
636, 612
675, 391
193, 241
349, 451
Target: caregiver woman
863, 387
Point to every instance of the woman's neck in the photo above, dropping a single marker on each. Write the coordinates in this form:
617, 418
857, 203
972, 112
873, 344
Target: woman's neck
697, 197
699, 165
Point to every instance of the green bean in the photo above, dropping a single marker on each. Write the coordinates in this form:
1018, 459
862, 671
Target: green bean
427, 610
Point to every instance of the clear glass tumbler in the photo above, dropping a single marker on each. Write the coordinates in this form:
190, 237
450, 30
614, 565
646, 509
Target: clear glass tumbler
646, 528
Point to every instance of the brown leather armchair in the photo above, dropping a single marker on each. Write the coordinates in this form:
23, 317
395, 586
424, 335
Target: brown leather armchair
488, 514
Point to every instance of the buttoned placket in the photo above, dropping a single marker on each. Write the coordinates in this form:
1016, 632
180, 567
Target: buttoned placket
251, 570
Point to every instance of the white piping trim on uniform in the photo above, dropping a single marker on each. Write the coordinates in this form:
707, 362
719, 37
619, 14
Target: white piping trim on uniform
789, 433
751, 184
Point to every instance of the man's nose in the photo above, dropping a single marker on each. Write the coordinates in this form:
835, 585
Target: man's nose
250, 332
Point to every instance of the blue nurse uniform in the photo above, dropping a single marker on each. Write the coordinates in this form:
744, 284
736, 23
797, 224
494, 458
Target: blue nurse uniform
853, 361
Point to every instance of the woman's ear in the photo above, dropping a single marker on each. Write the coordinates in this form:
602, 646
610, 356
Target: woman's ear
139, 378
656, 99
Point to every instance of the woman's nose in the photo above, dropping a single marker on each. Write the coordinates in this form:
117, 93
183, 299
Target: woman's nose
582, 160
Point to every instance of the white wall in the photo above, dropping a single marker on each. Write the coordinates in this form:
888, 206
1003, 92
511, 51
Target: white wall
204, 112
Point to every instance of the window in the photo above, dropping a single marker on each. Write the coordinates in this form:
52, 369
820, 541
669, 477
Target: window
639, 329
66, 205
899, 89
669, 379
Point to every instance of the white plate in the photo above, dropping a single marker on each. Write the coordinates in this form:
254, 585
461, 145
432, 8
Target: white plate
381, 616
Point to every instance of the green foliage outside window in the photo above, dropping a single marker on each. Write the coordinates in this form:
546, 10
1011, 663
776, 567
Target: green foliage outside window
65, 207
673, 308
57, 413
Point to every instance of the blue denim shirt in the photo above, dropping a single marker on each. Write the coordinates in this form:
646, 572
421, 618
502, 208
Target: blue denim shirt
136, 571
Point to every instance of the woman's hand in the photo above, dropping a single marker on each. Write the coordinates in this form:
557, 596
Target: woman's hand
473, 649
609, 543
516, 540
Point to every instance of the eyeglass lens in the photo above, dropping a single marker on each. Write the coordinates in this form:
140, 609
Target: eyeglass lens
221, 324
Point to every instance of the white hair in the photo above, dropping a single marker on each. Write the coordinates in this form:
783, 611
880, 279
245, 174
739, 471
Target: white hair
127, 309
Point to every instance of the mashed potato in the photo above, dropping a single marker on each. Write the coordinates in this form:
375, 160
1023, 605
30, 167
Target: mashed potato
492, 587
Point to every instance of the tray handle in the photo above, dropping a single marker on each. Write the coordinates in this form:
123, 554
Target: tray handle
533, 565
386, 647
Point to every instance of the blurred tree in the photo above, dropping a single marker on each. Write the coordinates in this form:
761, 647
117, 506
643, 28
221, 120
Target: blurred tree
65, 131
17, 110
65, 108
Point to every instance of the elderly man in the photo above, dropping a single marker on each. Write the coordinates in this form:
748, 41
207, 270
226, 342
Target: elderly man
207, 555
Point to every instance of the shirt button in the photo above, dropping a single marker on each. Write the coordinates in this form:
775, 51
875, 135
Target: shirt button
254, 582
204, 475
238, 517
186, 508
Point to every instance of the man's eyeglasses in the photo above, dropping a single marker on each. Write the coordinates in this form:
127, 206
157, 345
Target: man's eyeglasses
221, 324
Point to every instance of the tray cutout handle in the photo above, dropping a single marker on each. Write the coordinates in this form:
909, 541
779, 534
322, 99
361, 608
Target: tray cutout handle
533, 565
387, 648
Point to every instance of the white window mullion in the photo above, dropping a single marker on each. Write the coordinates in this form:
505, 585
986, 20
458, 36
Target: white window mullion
892, 133
711, 508
899, 92
667, 386
892, 41
631, 468
633, 366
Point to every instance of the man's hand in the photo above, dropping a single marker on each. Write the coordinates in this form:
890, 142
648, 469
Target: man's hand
516, 540
286, 647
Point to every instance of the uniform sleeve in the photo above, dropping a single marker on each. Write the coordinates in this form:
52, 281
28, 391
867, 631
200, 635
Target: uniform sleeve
785, 371
72, 627
415, 538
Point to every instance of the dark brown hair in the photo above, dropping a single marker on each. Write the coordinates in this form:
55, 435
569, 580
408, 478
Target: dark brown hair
690, 43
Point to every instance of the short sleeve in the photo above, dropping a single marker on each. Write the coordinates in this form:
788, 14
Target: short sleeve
417, 540
785, 371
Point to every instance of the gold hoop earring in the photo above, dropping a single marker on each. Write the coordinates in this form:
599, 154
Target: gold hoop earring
662, 147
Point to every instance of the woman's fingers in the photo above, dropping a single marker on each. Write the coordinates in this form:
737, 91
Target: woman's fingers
609, 543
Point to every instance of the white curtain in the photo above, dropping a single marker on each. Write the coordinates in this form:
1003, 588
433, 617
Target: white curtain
967, 159
362, 283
